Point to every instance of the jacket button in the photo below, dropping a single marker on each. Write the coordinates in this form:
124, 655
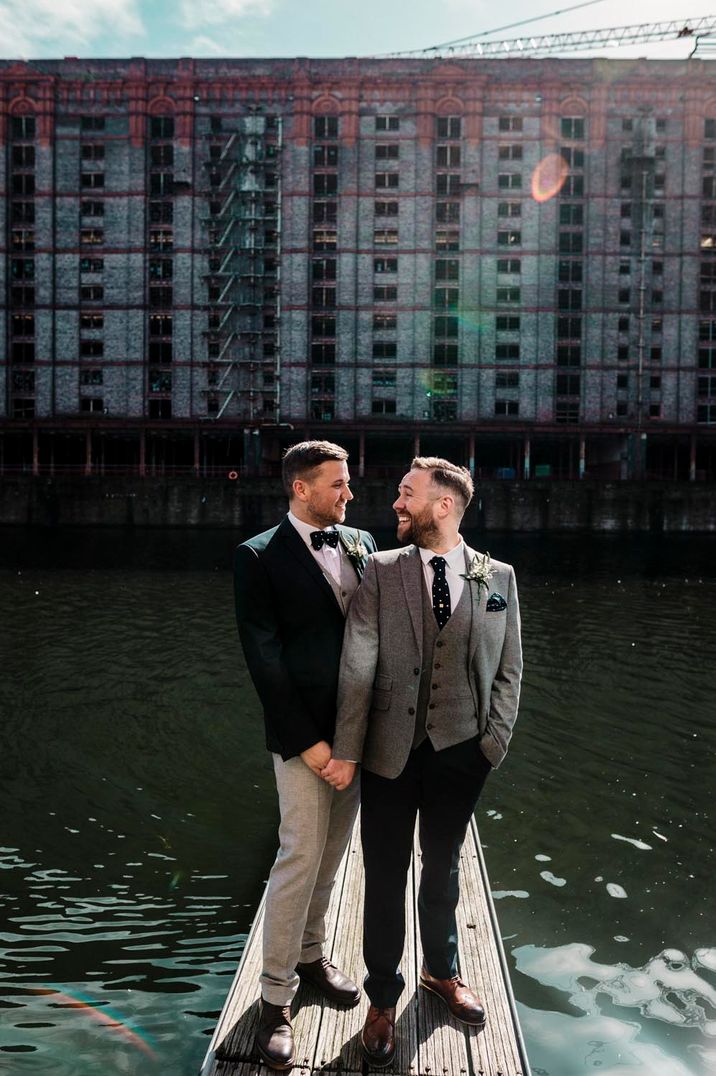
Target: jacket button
428, 726
439, 642
411, 709
435, 687
438, 665
431, 706
417, 672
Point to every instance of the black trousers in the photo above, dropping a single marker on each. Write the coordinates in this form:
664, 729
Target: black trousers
443, 787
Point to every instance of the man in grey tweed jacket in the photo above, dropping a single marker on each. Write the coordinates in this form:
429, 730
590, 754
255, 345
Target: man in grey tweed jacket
427, 699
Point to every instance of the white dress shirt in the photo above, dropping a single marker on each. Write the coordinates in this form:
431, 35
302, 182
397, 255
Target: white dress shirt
454, 571
328, 559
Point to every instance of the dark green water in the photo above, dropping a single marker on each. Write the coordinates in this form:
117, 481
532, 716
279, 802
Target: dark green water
137, 815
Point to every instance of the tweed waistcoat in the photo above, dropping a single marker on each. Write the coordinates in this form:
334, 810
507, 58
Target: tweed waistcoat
349, 581
444, 669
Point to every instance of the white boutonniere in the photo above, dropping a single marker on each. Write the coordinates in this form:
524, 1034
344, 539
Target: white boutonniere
355, 550
480, 570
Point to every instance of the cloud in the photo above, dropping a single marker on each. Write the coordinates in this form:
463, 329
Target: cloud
198, 13
49, 28
206, 46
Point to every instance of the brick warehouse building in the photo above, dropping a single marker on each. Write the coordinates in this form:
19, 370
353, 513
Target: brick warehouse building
509, 261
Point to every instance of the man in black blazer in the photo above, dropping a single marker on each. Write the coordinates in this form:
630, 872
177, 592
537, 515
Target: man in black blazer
293, 587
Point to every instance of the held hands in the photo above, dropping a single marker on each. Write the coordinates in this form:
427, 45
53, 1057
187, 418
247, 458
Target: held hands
334, 771
338, 773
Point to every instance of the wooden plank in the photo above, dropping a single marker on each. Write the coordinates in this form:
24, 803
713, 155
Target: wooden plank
430, 1042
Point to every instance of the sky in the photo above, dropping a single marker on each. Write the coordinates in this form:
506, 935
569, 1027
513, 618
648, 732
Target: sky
36, 29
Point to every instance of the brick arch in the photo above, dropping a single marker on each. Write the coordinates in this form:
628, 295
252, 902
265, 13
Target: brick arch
327, 105
449, 106
161, 106
22, 106
573, 106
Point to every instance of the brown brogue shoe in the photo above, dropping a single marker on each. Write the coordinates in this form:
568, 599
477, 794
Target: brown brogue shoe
378, 1036
274, 1038
462, 1002
331, 982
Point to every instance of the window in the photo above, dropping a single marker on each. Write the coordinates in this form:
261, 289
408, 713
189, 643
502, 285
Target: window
162, 155
569, 272
161, 269
92, 209
325, 126
91, 265
447, 269
623, 353
91, 293
384, 379
23, 183
447, 183
569, 355
505, 324
387, 180
624, 295
23, 381
571, 242
160, 351
325, 156
446, 298
161, 297
92, 151
573, 128
91, 349
509, 238
447, 239
325, 212
569, 328
385, 349
383, 407
623, 325
387, 151
323, 297
323, 325
655, 382
323, 384
385, 265
508, 265
325, 239
507, 352
91, 377
448, 156
22, 324
385, 237
507, 380
22, 269
509, 123
447, 212
92, 123
707, 386
571, 213
159, 380
707, 358
161, 239
509, 181
22, 127
569, 299
22, 351
508, 295
511, 152
92, 180
445, 354
323, 269
22, 295
507, 408
655, 354
161, 212
90, 322
385, 322
509, 209
449, 127
325, 183
627, 126
161, 184
323, 354
446, 326
22, 212
387, 123
91, 237
568, 384
573, 156
622, 382
23, 156
161, 127
385, 294
22, 239
386, 209
573, 186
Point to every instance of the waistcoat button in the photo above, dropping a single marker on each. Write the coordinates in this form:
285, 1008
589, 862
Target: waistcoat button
411, 709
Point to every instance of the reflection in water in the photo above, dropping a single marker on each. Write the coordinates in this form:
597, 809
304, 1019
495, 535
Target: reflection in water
138, 808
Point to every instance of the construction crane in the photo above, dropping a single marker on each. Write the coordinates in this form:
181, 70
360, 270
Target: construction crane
542, 44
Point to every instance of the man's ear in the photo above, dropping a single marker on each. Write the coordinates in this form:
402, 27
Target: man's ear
299, 489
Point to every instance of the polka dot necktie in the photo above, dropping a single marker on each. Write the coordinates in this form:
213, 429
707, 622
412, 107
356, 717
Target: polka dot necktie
441, 592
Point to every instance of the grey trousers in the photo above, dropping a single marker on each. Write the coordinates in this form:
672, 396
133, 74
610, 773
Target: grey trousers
316, 824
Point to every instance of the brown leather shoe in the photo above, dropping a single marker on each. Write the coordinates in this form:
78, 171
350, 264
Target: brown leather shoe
378, 1036
330, 981
274, 1038
459, 998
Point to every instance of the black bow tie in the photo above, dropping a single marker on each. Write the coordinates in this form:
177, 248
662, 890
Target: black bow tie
321, 538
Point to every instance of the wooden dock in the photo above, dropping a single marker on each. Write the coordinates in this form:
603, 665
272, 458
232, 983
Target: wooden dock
429, 1041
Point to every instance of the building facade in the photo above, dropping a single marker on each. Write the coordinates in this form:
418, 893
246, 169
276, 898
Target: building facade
513, 261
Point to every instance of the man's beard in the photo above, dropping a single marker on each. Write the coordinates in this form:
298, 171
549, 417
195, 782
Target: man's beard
421, 530
322, 518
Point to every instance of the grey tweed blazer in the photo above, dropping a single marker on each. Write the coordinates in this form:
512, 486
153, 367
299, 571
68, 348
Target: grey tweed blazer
382, 655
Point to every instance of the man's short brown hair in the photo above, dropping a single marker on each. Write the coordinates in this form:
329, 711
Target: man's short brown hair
443, 473
301, 460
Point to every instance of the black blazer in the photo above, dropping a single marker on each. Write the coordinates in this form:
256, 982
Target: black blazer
291, 629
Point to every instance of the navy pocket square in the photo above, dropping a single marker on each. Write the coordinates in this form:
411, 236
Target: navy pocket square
496, 603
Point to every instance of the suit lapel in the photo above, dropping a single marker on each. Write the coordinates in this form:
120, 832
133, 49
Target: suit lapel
411, 573
297, 547
478, 595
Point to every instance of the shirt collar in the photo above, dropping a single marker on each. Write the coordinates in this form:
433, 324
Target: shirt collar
455, 559
306, 529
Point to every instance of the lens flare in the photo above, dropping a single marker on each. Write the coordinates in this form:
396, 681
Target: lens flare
106, 1016
548, 177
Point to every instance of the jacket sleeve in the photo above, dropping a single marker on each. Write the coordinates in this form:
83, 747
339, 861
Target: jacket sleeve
259, 633
505, 693
358, 664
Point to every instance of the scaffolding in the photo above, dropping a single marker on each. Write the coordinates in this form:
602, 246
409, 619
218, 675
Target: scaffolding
243, 192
